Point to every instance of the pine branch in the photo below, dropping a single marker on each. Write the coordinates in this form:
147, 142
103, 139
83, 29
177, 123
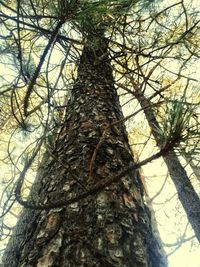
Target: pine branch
38, 69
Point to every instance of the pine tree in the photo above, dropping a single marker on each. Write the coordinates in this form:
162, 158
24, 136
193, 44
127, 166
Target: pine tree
110, 227
86, 206
186, 193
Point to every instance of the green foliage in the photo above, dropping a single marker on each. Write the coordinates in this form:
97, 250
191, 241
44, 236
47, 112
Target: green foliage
179, 125
100, 14
64, 9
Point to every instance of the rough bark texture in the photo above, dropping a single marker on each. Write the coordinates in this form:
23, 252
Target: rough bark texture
111, 228
186, 193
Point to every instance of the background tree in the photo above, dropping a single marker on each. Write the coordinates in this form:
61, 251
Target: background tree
176, 128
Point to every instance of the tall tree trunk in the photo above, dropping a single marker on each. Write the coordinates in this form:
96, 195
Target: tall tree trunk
111, 228
186, 193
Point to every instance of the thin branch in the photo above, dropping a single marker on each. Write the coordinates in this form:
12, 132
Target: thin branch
37, 71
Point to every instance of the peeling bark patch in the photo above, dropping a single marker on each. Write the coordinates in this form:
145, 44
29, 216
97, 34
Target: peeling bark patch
86, 126
113, 234
100, 243
74, 206
102, 199
49, 228
51, 252
66, 187
136, 194
83, 257
53, 221
116, 253
128, 201
136, 217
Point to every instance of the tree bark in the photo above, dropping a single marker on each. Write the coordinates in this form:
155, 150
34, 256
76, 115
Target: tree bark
194, 166
111, 228
186, 193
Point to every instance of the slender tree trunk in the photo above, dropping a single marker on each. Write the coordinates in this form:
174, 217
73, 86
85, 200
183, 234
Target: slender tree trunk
186, 193
194, 166
111, 228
